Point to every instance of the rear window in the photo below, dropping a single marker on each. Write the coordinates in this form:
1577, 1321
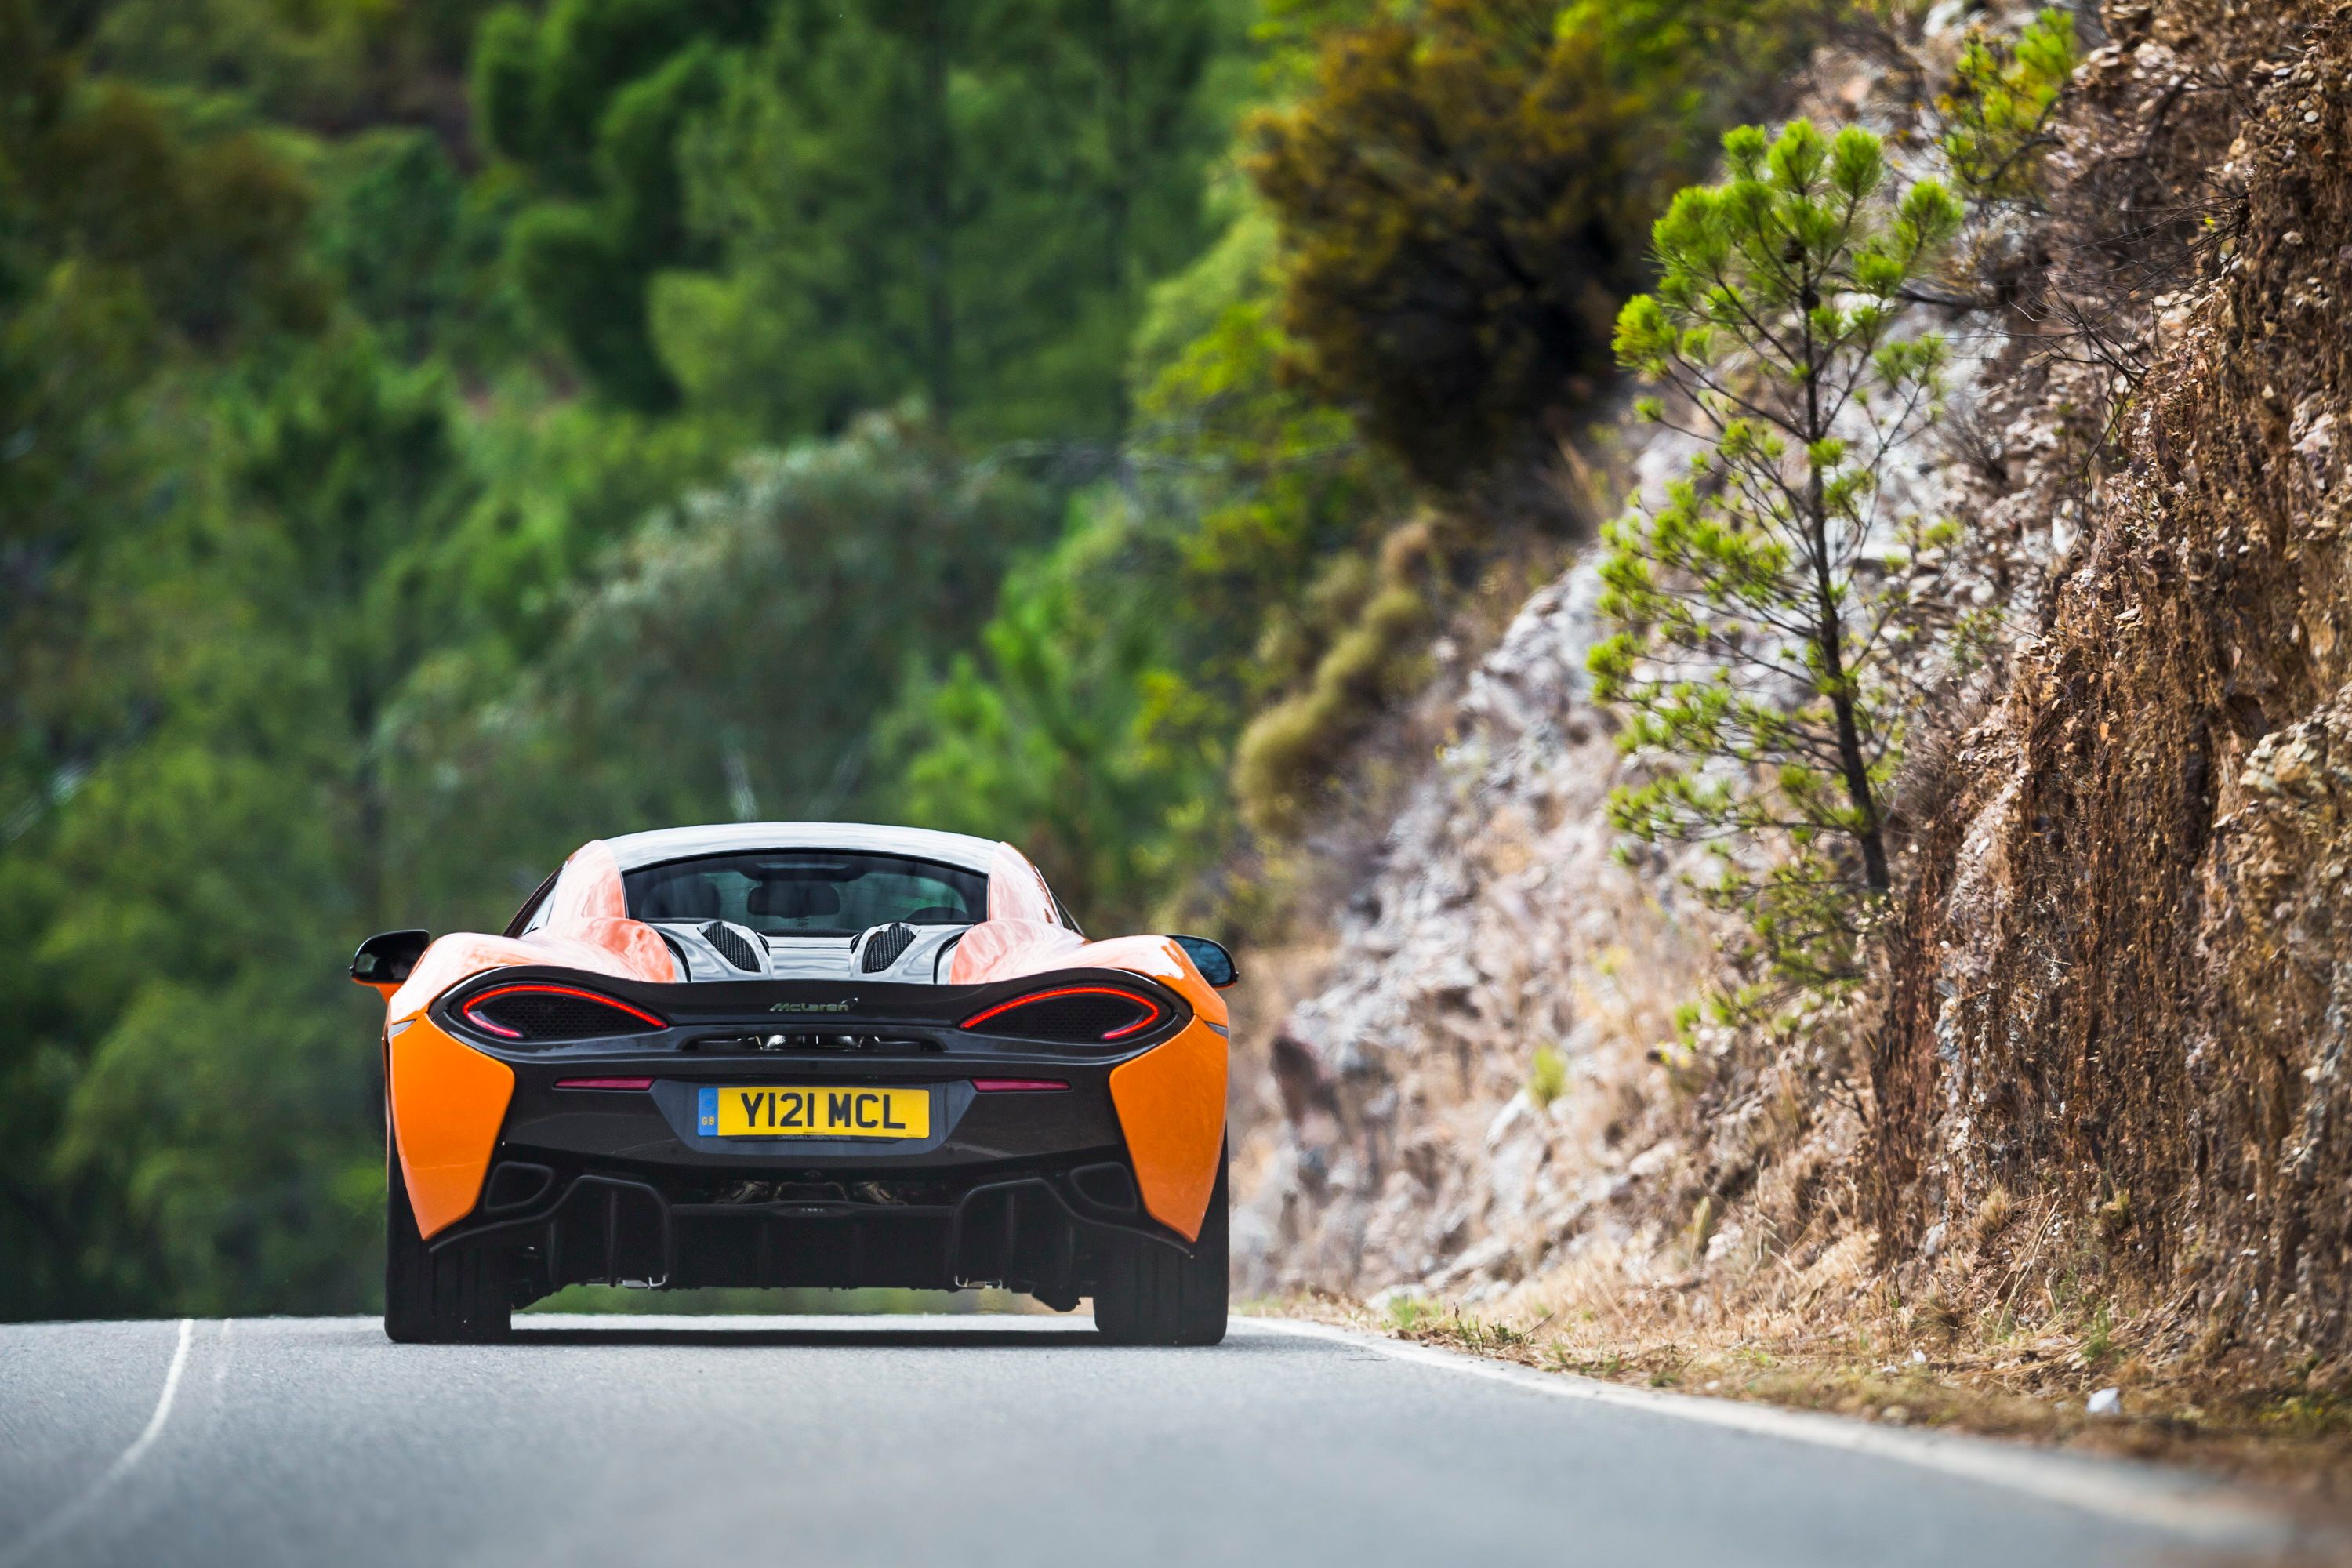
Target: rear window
808, 892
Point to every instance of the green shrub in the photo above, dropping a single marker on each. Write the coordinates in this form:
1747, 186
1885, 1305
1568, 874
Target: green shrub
1547, 1076
1292, 746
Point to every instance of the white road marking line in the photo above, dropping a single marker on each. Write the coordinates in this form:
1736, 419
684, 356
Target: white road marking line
2184, 1505
65, 1518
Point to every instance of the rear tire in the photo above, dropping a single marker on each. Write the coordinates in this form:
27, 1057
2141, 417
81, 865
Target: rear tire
458, 1295
1154, 1294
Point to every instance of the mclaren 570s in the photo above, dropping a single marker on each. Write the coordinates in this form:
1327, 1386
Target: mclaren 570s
787, 1054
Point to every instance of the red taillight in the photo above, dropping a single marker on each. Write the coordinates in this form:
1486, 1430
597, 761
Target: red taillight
604, 1083
536, 1012
1016, 1085
1073, 1012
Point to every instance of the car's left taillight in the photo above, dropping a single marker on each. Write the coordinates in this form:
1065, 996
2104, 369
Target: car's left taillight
530, 1012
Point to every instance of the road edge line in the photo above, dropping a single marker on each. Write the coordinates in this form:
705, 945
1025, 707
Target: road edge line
2183, 1503
59, 1522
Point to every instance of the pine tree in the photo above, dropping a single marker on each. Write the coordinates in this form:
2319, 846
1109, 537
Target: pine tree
1764, 606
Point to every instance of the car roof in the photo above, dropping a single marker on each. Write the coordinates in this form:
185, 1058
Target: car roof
635, 850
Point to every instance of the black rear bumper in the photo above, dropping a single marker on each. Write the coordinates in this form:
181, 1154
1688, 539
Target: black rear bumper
1030, 1190
1047, 1230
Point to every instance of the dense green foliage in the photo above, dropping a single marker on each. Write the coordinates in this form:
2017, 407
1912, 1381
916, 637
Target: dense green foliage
1768, 600
432, 434
1467, 191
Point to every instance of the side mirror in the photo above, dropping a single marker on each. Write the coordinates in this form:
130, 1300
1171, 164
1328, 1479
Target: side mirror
1216, 964
386, 958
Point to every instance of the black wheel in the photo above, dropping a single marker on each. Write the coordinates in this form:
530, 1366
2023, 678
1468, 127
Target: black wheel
1154, 1294
457, 1295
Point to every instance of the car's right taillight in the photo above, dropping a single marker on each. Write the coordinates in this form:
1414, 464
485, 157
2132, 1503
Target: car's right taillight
1073, 1015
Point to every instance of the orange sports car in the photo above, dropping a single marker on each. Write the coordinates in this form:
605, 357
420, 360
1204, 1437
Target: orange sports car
801, 1054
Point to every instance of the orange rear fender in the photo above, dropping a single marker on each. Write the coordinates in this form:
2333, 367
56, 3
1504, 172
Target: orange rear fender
447, 1102
1171, 1107
1171, 1101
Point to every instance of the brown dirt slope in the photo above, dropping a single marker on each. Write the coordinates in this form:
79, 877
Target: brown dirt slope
2124, 978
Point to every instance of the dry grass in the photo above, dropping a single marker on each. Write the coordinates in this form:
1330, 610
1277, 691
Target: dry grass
1834, 1338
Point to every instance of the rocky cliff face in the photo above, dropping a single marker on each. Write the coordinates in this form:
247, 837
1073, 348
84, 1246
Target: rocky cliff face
1497, 924
2116, 989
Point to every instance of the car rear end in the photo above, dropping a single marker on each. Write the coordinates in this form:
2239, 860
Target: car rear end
817, 1134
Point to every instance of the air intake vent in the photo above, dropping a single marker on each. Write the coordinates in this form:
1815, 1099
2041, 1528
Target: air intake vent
885, 948
732, 945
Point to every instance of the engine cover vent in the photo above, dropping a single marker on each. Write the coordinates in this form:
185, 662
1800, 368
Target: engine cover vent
886, 947
732, 946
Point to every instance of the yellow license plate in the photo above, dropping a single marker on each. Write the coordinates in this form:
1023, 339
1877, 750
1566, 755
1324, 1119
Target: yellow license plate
800, 1110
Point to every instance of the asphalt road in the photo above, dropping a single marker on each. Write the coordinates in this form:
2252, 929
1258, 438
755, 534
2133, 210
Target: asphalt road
978, 1441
